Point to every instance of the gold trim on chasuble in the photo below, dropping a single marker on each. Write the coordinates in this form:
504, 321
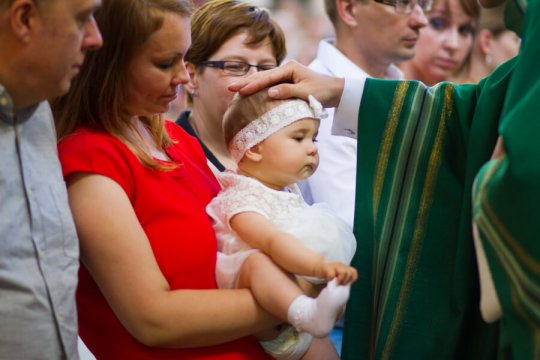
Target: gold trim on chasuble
523, 290
386, 144
425, 201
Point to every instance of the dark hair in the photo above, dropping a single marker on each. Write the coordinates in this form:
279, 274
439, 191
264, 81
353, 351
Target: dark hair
217, 21
493, 20
98, 94
331, 11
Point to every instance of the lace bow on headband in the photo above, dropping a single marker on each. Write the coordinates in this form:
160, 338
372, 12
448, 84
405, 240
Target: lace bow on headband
272, 121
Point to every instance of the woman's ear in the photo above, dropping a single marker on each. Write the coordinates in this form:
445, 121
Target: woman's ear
254, 153
193, 84
485, 37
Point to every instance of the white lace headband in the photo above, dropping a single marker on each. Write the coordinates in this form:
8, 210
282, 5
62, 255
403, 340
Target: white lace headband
272, 121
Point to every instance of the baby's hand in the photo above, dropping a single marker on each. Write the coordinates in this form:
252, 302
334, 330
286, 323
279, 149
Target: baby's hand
343, 273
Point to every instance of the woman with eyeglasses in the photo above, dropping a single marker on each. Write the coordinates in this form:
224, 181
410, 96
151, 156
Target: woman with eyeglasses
445, 43
229, 39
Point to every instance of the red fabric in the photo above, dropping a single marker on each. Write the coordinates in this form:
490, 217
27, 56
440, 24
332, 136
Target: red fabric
170, 206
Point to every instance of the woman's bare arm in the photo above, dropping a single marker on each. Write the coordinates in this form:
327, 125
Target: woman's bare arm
117, 253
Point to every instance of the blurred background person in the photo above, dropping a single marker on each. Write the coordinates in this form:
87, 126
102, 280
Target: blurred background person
304, 23
493, 45
445, 43
230, 39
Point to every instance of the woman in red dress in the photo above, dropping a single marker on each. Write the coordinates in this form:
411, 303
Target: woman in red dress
138, 187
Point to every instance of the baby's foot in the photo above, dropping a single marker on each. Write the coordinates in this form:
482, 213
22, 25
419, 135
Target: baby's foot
318, 316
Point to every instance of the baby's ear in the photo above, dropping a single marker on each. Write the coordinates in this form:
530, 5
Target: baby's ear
254, 153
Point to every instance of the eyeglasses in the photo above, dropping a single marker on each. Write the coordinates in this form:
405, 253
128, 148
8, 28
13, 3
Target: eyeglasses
236, 68
406, 7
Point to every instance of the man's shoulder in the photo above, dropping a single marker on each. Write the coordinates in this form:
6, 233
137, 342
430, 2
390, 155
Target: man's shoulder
331, 61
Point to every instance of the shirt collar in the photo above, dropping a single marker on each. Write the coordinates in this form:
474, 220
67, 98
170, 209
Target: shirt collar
7, 113
340, 65
6, 106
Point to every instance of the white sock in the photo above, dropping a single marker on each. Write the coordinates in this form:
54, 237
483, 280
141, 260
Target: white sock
318, 316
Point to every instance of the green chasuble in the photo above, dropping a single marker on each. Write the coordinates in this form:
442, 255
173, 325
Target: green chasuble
507, 202
419, 151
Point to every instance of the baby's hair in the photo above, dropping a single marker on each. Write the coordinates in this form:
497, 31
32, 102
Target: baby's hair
244, 109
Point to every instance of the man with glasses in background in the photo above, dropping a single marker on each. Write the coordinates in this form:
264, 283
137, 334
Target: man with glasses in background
369, 39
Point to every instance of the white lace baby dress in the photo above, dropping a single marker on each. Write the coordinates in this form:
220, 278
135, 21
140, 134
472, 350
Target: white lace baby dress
316, 227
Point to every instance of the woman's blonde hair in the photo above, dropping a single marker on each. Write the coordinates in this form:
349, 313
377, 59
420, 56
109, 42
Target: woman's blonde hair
98, 94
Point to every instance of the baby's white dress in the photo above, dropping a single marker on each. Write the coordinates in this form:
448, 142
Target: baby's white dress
314, 226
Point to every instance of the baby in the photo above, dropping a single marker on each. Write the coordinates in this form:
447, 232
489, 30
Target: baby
266, 231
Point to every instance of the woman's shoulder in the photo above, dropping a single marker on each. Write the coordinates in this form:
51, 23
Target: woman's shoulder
95, 151
86, 144
88, 138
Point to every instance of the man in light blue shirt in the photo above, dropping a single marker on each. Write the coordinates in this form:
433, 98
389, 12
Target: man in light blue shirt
42, 45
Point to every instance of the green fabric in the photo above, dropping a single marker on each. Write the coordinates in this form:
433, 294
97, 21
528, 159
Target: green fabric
419, 151
507, 202
513, 15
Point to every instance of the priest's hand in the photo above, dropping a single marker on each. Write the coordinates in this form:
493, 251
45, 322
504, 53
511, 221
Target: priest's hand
293, 80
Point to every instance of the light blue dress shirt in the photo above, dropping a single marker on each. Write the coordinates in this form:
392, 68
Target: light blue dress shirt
39, 252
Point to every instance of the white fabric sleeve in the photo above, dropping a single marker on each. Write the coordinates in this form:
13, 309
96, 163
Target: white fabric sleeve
346, 116
334, 181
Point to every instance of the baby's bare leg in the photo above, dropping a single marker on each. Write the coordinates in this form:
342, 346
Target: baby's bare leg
278, 294
273, 288
321, 349
310, 289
